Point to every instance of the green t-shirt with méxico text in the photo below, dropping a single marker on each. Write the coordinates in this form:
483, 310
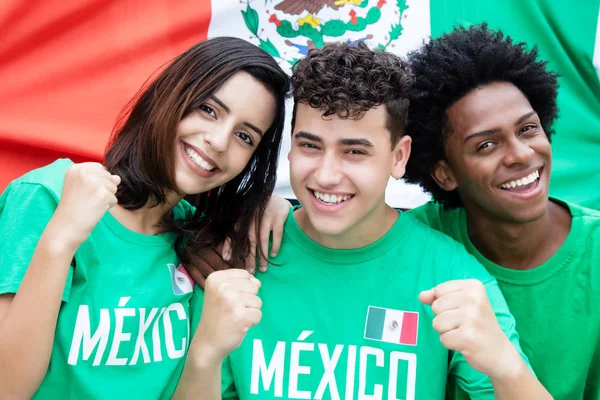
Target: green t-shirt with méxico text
347, 324
123, 326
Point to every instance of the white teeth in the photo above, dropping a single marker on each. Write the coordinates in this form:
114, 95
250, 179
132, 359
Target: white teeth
331, 198
199, 161
523, 181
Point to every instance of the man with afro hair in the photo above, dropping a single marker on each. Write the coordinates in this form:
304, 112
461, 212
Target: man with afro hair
480, 119
369, 303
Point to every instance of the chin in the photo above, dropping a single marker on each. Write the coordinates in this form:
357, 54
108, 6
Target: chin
329, 228
187, 187
526, 216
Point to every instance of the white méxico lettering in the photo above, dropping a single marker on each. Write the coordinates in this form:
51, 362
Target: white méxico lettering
84, 342
288, 362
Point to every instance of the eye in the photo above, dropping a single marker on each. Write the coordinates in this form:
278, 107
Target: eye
308, 146
245, 137
208, 110
356, 152
485, 145
528, 129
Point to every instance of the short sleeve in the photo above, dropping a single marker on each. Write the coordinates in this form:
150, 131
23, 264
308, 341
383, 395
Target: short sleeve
25, 210
474, 383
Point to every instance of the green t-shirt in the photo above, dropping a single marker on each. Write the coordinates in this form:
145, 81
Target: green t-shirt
556, 305
347, 324
123, 326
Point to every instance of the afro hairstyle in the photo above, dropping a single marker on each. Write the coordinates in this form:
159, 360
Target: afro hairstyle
448, 68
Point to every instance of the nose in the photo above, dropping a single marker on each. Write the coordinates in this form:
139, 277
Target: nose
328, 171
218, 138
518, 152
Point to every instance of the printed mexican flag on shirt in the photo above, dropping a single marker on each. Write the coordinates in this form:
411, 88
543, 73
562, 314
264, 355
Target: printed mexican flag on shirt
392, 326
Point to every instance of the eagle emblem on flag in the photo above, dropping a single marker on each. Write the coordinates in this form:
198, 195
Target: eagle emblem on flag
288, 29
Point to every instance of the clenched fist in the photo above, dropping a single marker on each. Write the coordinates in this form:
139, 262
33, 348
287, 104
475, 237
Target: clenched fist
231, 307
467, 323
88, 192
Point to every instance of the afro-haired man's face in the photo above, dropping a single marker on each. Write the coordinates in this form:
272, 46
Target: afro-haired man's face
499, 157
339, 169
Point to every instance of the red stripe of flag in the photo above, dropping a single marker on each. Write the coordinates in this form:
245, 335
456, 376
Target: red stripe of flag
408, 333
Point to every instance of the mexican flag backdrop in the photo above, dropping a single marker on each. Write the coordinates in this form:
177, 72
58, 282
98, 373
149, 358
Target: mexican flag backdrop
68, 68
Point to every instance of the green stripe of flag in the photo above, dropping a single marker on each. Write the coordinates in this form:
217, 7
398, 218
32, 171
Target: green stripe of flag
375, 322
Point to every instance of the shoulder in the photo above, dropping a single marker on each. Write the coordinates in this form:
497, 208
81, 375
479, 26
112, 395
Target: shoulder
431, 236
439, 218
440, 249
585, 223
589, 215
47, 180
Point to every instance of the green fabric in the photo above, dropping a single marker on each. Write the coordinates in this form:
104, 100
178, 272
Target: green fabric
556, 306
121, 283
565, 33
315, 310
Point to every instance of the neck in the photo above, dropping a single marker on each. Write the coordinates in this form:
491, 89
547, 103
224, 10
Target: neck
370, 229
145, 220
520, 246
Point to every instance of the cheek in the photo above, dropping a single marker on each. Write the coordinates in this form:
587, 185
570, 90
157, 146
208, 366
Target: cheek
475, 173
300, 167
368, 178
238, 159
542, 146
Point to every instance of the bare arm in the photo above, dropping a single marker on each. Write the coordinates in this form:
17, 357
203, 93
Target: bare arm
28, 318
518, 382
201, 377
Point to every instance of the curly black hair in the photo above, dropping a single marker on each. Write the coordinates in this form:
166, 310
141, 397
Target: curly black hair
448, 68
348, 80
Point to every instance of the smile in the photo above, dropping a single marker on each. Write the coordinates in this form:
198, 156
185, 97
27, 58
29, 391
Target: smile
327, 198
524, 181
198, 159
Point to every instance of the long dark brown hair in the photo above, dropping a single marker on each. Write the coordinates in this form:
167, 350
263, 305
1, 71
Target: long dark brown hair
141, 149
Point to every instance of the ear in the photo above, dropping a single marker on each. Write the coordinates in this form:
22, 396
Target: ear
442, 175
401, 153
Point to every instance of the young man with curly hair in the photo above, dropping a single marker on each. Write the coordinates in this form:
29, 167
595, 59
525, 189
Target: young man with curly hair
480, 118
369, 303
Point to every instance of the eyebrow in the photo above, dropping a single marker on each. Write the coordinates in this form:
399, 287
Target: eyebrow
254, 128
219, 102
479, 134
492, 131
228, 110
524, 117
343, 142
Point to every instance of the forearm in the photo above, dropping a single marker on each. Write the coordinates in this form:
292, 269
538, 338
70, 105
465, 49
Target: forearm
519, 383
201, 379
28, 325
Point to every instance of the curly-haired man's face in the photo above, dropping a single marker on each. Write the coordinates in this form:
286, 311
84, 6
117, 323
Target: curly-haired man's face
499, 157
339, 169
